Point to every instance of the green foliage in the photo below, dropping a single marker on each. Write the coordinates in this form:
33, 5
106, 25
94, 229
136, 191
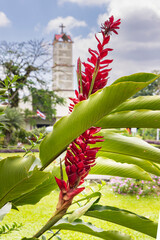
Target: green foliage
17, 179
151, 89
34, 216
5, 229
88, 228
124, 218
44, 100
141, 108
38, 131
13, 117
147, 133
42, 189
96, 107
22, 135
126, 156
119, 155
12, 120
27, 60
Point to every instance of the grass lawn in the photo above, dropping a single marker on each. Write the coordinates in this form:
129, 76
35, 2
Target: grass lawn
33, 217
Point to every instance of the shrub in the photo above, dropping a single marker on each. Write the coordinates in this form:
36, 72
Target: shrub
22, 135
138, 187
148, 133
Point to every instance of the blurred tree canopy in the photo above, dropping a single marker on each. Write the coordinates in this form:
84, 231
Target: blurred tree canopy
44, 100
151, 89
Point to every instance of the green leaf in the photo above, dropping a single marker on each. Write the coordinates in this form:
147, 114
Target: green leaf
4, 210
2, 90
92, 195
121, 158
133, 78
16, 179
2, 108
142, 102
109, 167
41, 190
138, 112
125, 218
130, 146
126, 157
80, 211
80, 226
129, 119
87, 113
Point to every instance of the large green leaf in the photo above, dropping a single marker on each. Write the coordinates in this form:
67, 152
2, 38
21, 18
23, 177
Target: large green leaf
125, 218
41, 190
126, 157
129, 119
80, 226
110, 167
87, 113
142, 111
130, 146
16, 179
121, 158
142, 102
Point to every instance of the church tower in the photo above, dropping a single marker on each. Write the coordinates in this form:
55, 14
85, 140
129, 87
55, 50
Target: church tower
62, 70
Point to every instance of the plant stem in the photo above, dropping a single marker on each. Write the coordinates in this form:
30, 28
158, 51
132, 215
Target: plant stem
55, 218
54, 234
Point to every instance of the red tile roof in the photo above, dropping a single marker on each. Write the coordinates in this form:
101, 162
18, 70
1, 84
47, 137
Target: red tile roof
62, 37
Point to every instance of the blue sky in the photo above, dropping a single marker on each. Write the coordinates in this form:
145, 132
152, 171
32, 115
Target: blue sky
136, 48
28, 18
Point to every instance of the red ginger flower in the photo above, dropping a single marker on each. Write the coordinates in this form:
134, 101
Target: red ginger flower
80, 157
110, 26
95, 74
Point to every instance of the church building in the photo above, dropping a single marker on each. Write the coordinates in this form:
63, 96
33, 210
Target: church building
62, 70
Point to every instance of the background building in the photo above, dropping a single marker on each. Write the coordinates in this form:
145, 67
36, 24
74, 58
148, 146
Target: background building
62, 70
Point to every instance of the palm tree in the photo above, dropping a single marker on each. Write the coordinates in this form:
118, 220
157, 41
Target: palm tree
12, 119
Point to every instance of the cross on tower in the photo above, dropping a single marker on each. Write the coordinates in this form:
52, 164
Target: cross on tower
62, 26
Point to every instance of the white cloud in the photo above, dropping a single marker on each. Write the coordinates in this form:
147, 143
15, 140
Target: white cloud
69, 22
125, 7
137, 47
4, 21
85, 2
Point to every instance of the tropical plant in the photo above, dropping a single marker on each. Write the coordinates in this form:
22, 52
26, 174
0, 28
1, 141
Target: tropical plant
95, 113
12, 119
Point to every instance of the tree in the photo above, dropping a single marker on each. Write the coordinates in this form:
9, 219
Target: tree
12, 119
27, 60
151, 89
45, 100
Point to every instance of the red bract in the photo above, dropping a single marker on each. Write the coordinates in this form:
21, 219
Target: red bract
95, 74
80, 156
110, 26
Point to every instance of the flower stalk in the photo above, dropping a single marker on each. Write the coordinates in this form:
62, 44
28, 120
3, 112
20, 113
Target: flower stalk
81, 156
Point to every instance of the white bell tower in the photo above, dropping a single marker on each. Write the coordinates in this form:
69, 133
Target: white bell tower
62, 70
